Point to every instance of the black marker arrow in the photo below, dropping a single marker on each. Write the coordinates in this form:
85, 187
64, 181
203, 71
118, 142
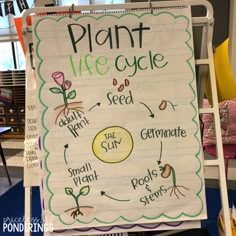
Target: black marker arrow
103, 193
152, 115
66, 146
97, 104
159, 161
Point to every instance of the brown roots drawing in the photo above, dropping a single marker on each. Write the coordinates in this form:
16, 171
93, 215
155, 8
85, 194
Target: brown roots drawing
175, 190
65, 109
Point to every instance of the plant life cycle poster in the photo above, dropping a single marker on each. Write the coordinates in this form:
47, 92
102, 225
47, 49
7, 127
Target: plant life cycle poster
119, 119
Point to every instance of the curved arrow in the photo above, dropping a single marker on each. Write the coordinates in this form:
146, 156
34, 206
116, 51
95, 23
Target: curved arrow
97, 104
159, 161
104, 193
152, 115
66, 146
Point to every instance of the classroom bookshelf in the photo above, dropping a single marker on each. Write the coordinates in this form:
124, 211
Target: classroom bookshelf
12, 102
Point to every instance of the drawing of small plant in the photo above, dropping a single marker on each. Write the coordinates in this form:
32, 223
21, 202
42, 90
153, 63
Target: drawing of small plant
168, 170
65, 86
83, 192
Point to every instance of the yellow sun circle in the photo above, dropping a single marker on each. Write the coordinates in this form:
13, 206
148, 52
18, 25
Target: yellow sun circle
113, 144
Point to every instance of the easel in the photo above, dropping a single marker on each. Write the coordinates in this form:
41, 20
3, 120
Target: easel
232, 32
206, 59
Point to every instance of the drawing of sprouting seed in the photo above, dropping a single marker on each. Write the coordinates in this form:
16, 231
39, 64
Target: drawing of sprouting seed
168, 170
82, 192
65, 86
164, 103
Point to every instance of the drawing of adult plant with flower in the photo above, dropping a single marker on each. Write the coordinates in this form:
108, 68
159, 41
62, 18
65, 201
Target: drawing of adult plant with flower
83, 192
65, 86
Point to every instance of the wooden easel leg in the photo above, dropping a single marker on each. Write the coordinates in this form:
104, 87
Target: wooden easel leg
5, 164
28, 212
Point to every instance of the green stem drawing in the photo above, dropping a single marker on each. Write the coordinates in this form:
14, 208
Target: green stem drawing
64, 94
77, 211
83, 192
168, 170
173, 176
172, 105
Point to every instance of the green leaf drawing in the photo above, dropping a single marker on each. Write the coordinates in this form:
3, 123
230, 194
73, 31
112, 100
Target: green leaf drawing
71, 95
55, 90
84, 191
69, 191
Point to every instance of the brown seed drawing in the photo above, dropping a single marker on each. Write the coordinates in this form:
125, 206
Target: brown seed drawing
121, 88
114, 82
163, 105
126, 82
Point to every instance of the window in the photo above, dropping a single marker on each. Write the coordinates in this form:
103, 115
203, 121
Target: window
20, 56
7, 29
12, 56
66, 2
6, 61
70, 2
87, 2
